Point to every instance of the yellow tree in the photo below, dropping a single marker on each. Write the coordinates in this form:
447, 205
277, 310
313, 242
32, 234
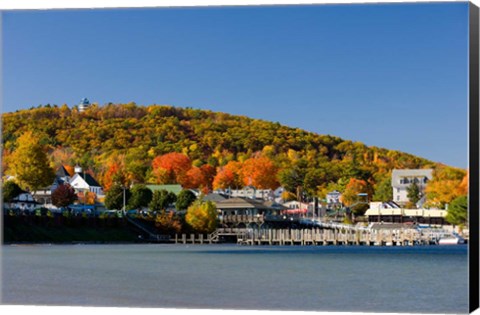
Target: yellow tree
447, 184
350, 195
202, 216
29, 163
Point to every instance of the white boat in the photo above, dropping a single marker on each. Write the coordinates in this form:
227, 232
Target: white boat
451, 239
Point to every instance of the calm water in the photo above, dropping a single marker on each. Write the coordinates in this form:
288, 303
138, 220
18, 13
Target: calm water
430, 279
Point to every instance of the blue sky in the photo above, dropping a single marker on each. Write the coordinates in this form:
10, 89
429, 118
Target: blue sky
391, 75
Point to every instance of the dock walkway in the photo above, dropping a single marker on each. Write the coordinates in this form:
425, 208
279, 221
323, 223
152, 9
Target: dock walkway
317, 236
313, 236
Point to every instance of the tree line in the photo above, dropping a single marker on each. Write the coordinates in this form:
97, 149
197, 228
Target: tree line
130, 144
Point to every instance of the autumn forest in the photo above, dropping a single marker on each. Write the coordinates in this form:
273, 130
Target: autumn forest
205, 150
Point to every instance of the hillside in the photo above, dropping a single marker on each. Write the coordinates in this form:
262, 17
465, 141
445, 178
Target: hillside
132, 136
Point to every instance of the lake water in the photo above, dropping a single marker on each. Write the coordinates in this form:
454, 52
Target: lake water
427, 279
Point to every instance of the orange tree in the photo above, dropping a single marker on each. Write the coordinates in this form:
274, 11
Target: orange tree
260, 172
228, 176
171, 168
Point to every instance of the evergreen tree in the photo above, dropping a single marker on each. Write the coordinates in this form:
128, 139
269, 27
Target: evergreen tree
413, 193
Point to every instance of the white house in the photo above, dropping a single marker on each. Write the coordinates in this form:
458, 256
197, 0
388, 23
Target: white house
82, 182
402, 179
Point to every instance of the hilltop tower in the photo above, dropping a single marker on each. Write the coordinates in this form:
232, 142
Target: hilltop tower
84, 104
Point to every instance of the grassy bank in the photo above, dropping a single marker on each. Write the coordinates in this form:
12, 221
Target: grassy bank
26, 230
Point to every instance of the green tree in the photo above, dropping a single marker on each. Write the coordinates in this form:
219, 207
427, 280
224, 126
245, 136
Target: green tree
202, 216
140, 197
114, 197
10, 191
384, 190
30, 164
457, 212
413, 193
291, 179
161, 200
313, 180
185, 199
63, 196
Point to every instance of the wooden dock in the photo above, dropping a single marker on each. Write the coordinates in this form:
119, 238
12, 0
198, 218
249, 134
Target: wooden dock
311, 236
331, 237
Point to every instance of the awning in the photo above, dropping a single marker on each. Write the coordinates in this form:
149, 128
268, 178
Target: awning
294, 211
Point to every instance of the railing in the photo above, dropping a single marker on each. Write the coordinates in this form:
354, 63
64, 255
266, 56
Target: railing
242, 218
319, 236
332, 225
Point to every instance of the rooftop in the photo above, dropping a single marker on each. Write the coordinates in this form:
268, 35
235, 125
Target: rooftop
241, 203
176, 189
89, 179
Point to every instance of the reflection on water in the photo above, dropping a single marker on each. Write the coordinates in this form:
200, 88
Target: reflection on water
431, 279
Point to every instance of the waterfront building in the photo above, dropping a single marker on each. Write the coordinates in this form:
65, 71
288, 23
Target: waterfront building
293, 204
400, 215
402, 179
243, 212
23, 202
215, 197
252, 193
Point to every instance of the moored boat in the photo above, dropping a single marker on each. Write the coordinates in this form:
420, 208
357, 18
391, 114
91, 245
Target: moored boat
451, 239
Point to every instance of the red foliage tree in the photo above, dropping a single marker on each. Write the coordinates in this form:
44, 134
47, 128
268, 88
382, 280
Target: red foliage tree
63, 196
209, 174
171, 168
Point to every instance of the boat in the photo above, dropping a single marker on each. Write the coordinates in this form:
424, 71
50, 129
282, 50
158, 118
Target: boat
451, 239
